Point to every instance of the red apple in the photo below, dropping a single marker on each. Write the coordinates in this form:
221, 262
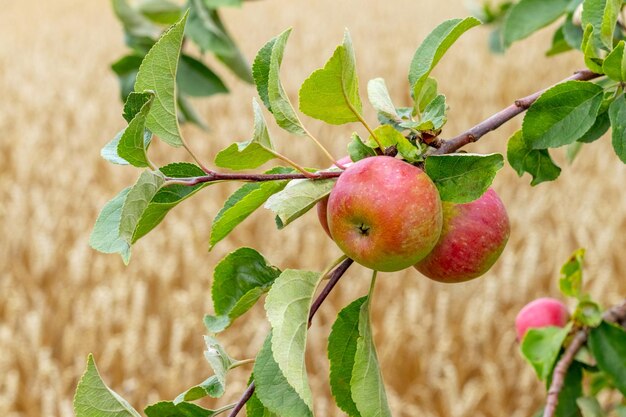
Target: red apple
541, 312
322, 208
384, 213
473, 237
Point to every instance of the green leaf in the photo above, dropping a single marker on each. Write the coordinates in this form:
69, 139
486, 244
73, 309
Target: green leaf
331, 94
136, 202
571, 391
219, 360
109, 151
573, 34
602, 15
249, 154
378, 96
261, 70
433, 118
234, 58
298, 197
608, 345
620, 411
205, 31
135, 24
273, 389
388, 136
287, 305
214, 4
592, 58
342, 343
162, 12
158, 73
196, 79
358, 150
367, 386
239, 280
614, 65
572, 151
528, 16
186, 112
255, 408
132, 143
617, 115
94, 399
590, 407
588, 313
244, 202
599, 128
169, 409
432, 49
461, 178
571, 279
105, 236
126, 69
541, 347
559, 44
562, 114
427, 93
210, 386
537, 163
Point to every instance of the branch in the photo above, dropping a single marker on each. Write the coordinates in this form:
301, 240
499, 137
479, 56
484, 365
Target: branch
503, 116
334, 279
217, 176
616, 314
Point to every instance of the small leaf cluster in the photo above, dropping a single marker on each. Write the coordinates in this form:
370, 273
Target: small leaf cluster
600, 365
143, 23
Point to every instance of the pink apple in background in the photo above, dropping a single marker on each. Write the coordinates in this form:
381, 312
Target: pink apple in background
322, 204
541, 312
473, 237
384, 213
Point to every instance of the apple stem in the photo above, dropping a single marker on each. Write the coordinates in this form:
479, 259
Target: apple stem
292, 163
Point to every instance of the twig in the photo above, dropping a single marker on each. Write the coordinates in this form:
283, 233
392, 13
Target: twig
334, 279
615, 314
495, 121
218, 176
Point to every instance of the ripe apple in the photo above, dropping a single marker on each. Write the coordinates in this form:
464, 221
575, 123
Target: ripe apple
473, 237
541, 312
384, 213
322, 205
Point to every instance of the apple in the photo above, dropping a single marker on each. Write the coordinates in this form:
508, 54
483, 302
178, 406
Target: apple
541, 312
322, 208
384, 213
473, 237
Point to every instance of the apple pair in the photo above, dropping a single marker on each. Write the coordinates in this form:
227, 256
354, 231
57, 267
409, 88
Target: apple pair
386, 214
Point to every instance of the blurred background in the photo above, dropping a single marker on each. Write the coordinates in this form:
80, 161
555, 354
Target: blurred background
446, 350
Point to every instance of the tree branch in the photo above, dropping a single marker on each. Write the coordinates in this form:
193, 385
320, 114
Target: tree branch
616, 314
503, 116
217, 176
333, 280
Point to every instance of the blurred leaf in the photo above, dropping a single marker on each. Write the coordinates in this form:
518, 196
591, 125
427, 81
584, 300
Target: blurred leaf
287, 305
588, 313
205, 32
559, 44
620, 411
210, 386
272, 388
537, 163
608, 345
186, 112
572, 151
239, 280
617, 115
573, 34
298, 197
461, 178
541, 347
571, 391
94, 399
196, 79
135, 24
126, 69
105, 236
161, 12
214, 4
234, 59
342, 344
599, 381
562, 114
380, 99
358, 150
571, 279
528, 16
162, 59
169, 409
614, 65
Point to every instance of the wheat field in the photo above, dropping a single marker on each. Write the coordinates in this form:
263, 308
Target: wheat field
446, 350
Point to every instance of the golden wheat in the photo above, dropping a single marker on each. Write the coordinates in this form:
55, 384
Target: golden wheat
445, 350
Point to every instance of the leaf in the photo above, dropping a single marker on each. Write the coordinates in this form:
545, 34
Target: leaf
378, 96
433, 118
602, 15
427, 93
135, 24
617, 115
287, 305
298, 197
528, 16
461, 178
588, 313
158, 73
109, 151
571, 391
239, 280
94, 399
273, 389
250, 154
599, 128
614, 65
537, 163
196, 79
234, 58
161, 12
214, 4
218, 359
105, 236
186, 112
342, 344
562, 114
126, 69
331, 94
620, 411
571, 279
255, 408
389, 137
169, 409
432, 49
210, 386
261, 70
243, 203
136, 202
608, 345
358, 150
572, 151
205, 31
367, 386
541, 347
132, 143
590, 51
573, 34
559, 44
590, 407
